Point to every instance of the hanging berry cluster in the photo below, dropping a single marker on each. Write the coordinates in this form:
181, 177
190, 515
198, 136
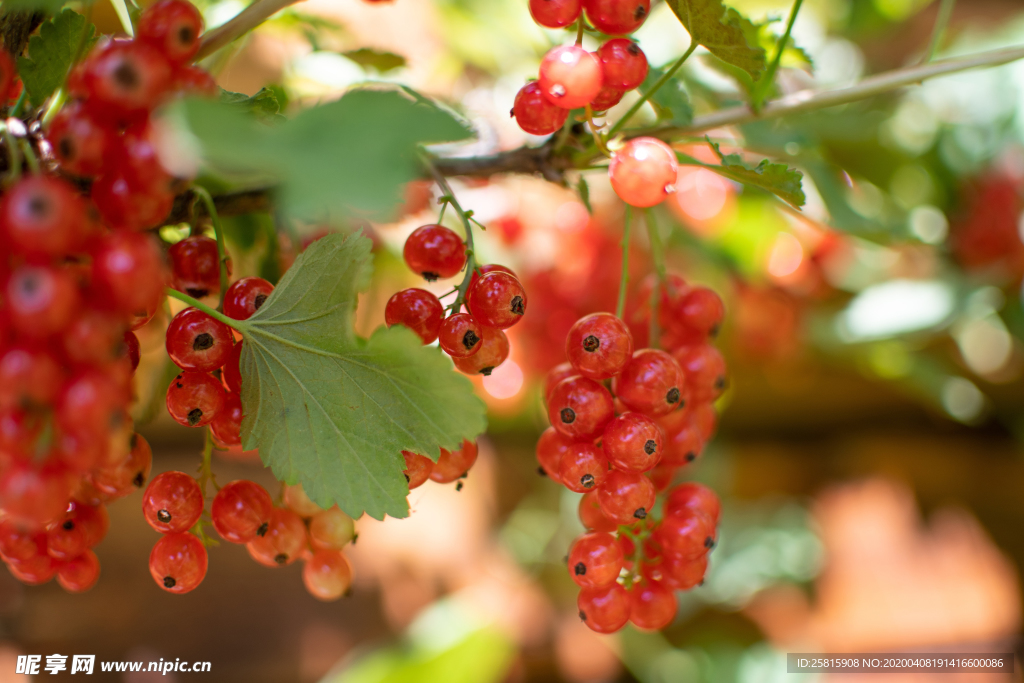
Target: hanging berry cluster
621, 447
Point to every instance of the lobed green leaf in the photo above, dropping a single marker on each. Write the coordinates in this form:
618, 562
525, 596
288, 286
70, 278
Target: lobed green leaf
50, 53
784, 182
725, 33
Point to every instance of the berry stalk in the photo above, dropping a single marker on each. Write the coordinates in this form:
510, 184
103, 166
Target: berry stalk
620, 307
658, 255
761, 89
449, 196
195, 303
222, 257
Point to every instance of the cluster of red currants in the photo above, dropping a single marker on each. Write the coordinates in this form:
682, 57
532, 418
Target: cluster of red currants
571, 77
620, 447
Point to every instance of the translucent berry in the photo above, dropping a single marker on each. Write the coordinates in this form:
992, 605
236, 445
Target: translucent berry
327, 575
195, 81
460, 335
532, 110
79, 574
555, 13
34, 495
604, 609
178, 562
196, 341
617, 17
34, 571
195, 266
557, 374
492, 353
173, 27
417, 309
41, 300
283, 542
127, 272
693, 496
595, 559
497, 300
127, 475
455, 464
607, 98
583, 467
137, 158
226, 427
65, 539
241, 511
126, 203
599, 345
591, 516
626, 497
19, 542
417, 469
705, 418
643, 172
652, 606
245, 297
570, 77
652, 383
683, 574
28, 376
41, 215
331, 530
580, 408
434, 252
172, 502
296, 500
551, 446
633, 442
686, 533
623, 63
700, 310
194, 398
93, 520
125, 79
705, 371
684, 445
80, 142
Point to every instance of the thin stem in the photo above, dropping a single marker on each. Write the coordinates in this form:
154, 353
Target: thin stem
471, 262
29, 155
653, 89
594, 131
20, 104
245, 21
939, 30
658, 255
766, 81
579, 30
620, 307
222, 255
206, 467
13, 154
444, 206
239, 325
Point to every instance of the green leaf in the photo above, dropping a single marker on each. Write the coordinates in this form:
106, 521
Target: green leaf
379, 61
47, 6
333, 411
50, 53
670, 102
347, 158
583, 190
263, 105
782, 181
726, 33
792, 57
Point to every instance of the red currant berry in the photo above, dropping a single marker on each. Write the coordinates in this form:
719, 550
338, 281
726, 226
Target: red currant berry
41, 216
296, 500
704, 416
683, 574
194, 398
226, 428
35, 571
195, 267
195, 341
172, 502
607, 98
705, 371
131, 348
479, 271
241, 511
79, 574
580, 408
19, 543
652, 606
693, 496
93, 337
65, 539
331, 529
125, 79
591, 515
551, 446
28, 376
94, 522
595, 559
195, 81
555, 13
34, 496
283, 541
617, 17
245, 297
87, 401
570, 77
683, 446
455, 464
497, 300
686, 533
125, 203
178, 562
80, 142
327, 575
599, 345
230, 372
643, 172
460, 335
604, 609
492, 353
417, 469
173, 27
19, 430
137, 159
534, 113
652, 383
624, 64
633, 442
700, 311
40, 300
555, 375
626, 496
434, 252
417, 309
127, 475
127, 273
583, 467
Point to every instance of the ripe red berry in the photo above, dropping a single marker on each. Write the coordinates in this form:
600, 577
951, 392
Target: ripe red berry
34, 495
551, 446
331, 529
643, 172
699, 311
492, 353
19, 543
127, 273
633, 442
626, 497
599, 345
87, 401
607, 98
604, 609
125, 79
136, 158
417, 309
580, 408
226, 428
705, 371
455, 464
41, 216
34, 571
534, 113
417, 469
79, 574
460, 335
652, 383
583, 467
570, 77
434, 252
617, 17
296, 500
131, 348
241, 511
683, 574
497, 300
65, 539
124, 477
555, 13
28, 376
693, 496
178, 562
194, 398
683, 446
283, 542
230, 372
556, 375
127, 204
196, 341
327, 575
195, 81
686, 533
245, 297
595, 559
652, 606
624, 64
195, 266
172, 502
591, 516
80, 142
93, 520
173, 27
704, 416
41, 300
93, 337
